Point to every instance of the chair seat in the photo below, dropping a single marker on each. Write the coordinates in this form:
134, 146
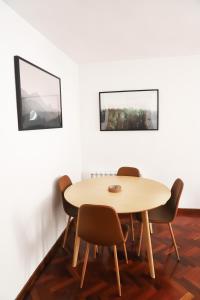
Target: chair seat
161, 214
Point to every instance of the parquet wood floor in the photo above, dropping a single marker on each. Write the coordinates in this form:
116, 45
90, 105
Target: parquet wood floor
174, 280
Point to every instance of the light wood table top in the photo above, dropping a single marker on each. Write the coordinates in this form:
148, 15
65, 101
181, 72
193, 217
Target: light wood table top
137, 194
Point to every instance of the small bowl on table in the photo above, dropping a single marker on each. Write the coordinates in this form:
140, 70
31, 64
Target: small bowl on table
115, 188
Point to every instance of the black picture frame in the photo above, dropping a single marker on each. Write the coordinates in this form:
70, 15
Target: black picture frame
38, 95
129, 110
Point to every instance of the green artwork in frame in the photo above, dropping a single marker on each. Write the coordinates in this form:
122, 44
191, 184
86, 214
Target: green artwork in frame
129, 110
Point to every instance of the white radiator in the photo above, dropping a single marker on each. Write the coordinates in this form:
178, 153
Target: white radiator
100, 174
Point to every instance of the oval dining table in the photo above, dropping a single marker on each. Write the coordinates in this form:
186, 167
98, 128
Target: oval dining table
137, 194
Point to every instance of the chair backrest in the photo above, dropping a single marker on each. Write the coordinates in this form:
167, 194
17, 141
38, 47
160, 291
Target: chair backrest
176, 192
128, 171
63, 183
99, 225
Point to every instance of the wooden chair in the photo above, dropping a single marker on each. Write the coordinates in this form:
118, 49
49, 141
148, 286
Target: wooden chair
100, 225
129, 171
72, 212
165, 213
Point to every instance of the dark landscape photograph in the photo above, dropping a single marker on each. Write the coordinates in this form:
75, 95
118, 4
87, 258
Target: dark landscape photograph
38, 97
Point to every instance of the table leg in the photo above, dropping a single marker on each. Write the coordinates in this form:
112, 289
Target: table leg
76, 249
145, 220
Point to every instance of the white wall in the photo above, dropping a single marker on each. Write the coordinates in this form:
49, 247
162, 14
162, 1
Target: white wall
30, 161
171, 152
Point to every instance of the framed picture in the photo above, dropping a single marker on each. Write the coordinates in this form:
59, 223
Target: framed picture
38, 95
129, 110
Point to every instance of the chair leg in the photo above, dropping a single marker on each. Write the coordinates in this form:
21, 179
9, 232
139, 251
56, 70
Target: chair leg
132, 227
66, 231
95, 251
140, 240
85, 263
151, 228
76, 249
174, 242
117, 269
125, 252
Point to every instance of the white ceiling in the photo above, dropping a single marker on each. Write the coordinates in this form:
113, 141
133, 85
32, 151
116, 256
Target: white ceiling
102, 30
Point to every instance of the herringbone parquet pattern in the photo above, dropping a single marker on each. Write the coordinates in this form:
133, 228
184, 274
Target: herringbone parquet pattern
174, 280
